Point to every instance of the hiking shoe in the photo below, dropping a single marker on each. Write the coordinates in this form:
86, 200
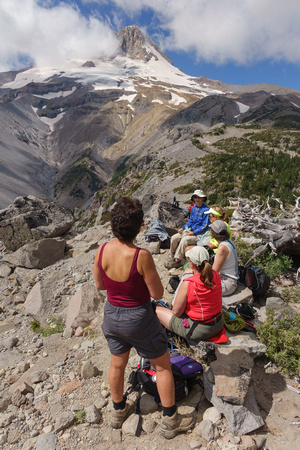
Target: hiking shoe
120, 415
172, 263
171, 426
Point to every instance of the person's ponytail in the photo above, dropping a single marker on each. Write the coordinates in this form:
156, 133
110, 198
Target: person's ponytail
206, 274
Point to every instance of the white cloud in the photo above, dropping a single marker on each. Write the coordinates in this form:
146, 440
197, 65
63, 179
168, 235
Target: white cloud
49, 35
219, 31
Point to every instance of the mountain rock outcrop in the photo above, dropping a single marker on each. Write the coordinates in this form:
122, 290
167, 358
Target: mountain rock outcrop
30, 218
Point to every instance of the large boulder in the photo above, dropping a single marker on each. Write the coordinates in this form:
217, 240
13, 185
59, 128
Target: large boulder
171, 216
83, 306
30, 219
37, 255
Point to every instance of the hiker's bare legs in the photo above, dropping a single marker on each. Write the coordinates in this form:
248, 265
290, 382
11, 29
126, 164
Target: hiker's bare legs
116, 372
164, 379
164, 315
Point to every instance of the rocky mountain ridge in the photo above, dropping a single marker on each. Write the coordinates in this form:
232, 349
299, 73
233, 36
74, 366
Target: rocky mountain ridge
66, 130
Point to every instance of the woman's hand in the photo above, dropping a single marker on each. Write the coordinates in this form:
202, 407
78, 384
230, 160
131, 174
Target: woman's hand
189, 233
180, 231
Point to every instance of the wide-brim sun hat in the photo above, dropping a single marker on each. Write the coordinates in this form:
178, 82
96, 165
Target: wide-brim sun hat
199, 193
197, 255
218, 226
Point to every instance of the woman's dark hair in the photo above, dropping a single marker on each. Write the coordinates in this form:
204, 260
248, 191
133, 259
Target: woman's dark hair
206, 274
223, 236
126, 218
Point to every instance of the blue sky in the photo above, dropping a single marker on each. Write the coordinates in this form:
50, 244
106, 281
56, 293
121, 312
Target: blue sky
234, 41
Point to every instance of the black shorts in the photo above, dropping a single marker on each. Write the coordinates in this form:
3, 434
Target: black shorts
136, 327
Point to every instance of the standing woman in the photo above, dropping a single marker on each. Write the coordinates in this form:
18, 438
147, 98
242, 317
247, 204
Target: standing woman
129, 276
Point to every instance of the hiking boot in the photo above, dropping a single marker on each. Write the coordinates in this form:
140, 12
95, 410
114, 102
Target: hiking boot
171, 426
120, 415
172, 263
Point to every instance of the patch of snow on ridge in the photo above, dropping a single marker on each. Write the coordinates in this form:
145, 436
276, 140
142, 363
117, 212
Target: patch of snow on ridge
51, 95
157, 101
47, 120
243, 108
297, 106
128, 98
176, 99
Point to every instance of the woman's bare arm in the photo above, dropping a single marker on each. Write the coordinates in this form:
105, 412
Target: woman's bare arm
180, 300
220, 258
147, 269
97, 274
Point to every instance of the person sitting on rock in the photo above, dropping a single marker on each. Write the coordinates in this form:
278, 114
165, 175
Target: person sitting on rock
216, 212
197, 226
196, 312
226, 259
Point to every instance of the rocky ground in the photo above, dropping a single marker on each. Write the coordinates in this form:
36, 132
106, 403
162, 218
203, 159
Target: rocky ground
54, 390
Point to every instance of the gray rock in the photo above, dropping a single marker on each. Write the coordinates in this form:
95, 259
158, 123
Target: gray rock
205, 429
13, 436
101, 402
30, 444
38, 376
87, 344
3, 439
31, 218
212, 414
154, 247
170, 216
130, 425
38, 254
10, 342
232, 374
6, 419
242, 419
46, 442
242, 294
247, 342
18, 398
64, 420
88, 370
83, 306
68, 332
277, 304
5, 270
5, 400
23, 366
148, 425
147, 404
92, 414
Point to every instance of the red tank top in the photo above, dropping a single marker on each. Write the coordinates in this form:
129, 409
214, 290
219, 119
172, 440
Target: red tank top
127, 294
202, 302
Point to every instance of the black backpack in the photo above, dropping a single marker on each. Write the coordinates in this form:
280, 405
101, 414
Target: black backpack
255, 278
185, 372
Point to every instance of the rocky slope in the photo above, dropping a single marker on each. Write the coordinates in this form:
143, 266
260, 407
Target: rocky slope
54, 390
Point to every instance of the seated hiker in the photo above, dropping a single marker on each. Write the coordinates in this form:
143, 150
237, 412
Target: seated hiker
216, 212
196, 312
226, 259
197, 226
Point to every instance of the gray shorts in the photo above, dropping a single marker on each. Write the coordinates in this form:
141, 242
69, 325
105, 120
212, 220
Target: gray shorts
136, 327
